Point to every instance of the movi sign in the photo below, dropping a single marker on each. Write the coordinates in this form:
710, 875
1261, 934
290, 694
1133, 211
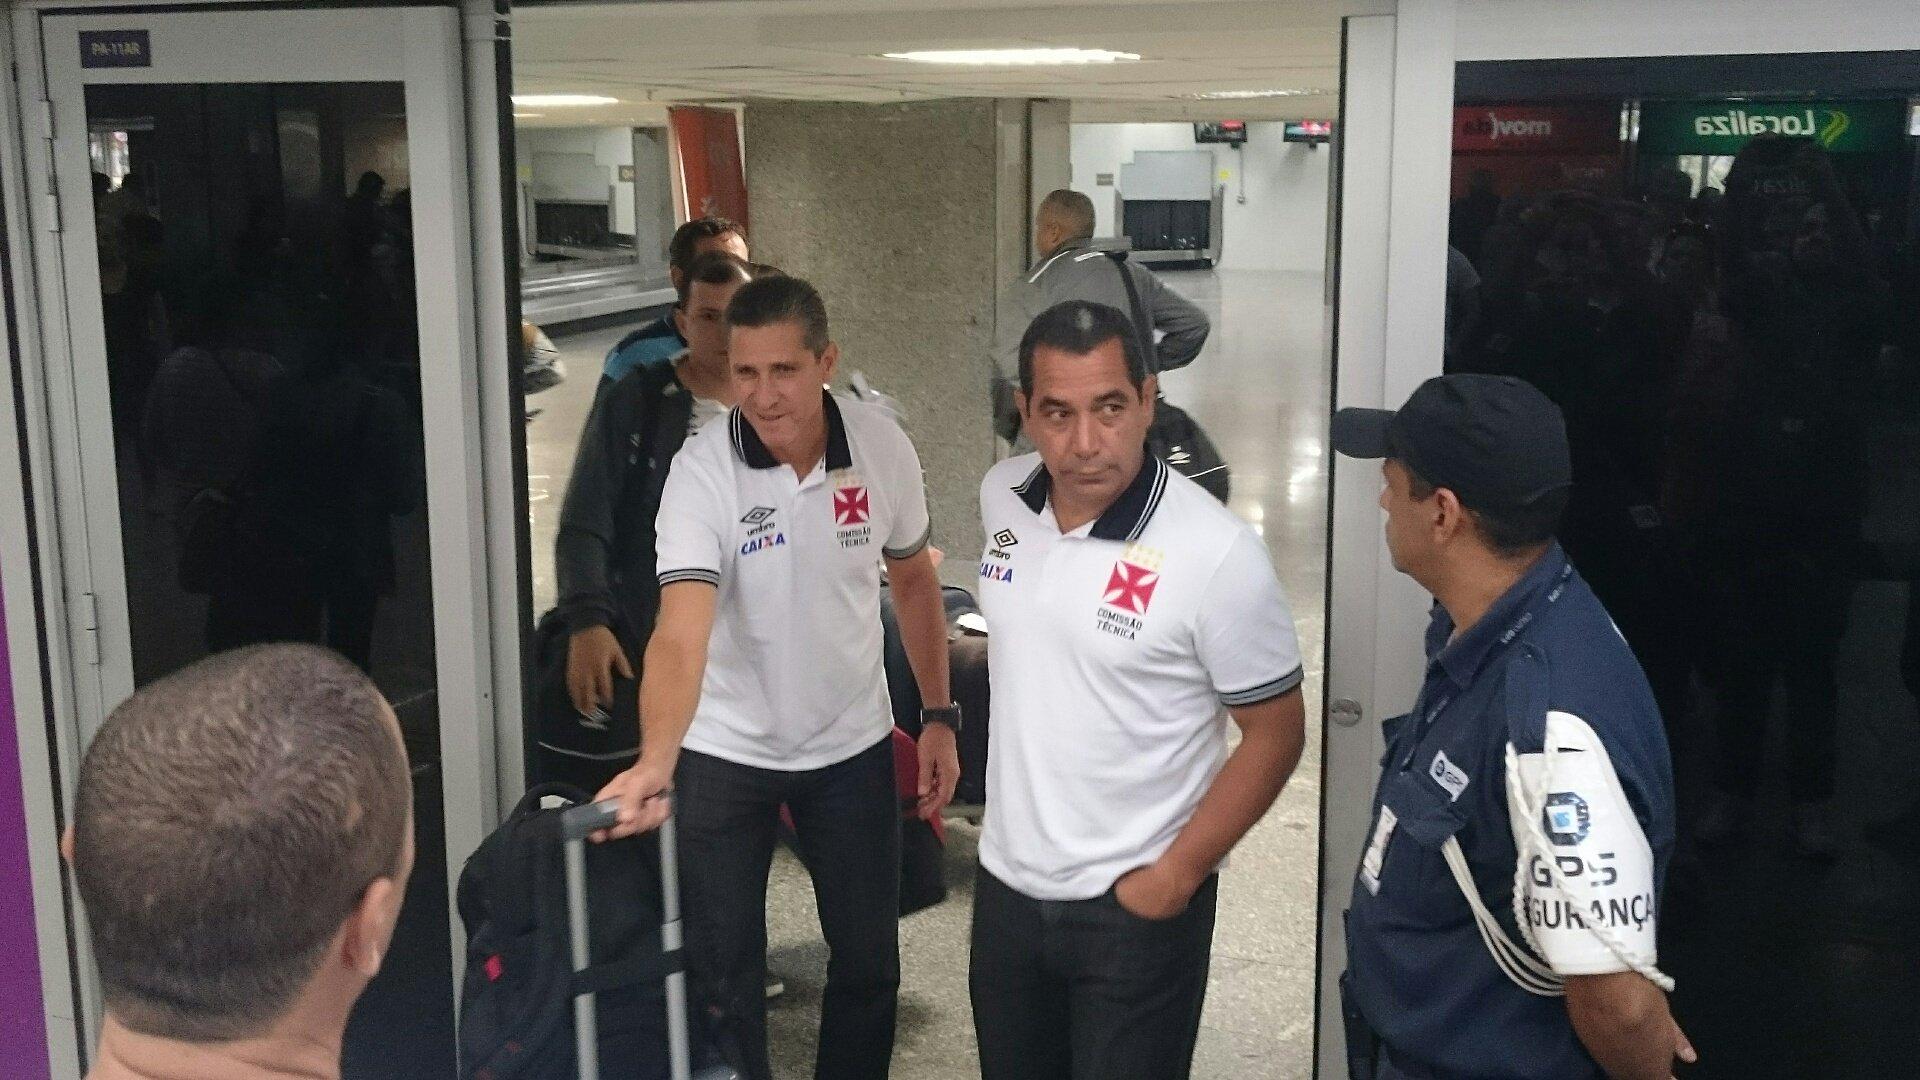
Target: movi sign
1495, 127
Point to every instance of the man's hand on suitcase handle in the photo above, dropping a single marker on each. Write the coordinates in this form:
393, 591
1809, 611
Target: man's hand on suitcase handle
644, 793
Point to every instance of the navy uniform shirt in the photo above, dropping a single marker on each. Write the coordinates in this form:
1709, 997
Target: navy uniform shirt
1535, 732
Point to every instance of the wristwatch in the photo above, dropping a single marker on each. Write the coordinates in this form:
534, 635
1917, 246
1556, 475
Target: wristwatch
947, 715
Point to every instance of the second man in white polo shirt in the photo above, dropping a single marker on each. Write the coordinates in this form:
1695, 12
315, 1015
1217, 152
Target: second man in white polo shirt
763, 684
1127, 606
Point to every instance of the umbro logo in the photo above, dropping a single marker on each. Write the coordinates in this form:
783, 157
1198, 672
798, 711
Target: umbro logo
1005, 538
756, 515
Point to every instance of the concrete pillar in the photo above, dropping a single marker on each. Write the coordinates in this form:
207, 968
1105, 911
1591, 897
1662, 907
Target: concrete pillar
910, 218
1049, 149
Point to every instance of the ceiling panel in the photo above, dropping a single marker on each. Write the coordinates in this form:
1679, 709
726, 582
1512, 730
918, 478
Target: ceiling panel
647, 54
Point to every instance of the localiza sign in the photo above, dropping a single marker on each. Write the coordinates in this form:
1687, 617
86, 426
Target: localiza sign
1723, 127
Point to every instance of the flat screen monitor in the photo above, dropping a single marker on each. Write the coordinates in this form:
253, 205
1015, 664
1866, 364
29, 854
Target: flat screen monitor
1232, 132
1308, 131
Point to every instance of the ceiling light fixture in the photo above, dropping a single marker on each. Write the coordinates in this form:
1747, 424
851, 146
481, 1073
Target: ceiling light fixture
527, 115
560, 101
1013, 57
1247, 95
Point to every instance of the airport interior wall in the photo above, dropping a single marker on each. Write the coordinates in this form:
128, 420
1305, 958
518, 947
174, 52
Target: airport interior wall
1281, 226
610, 148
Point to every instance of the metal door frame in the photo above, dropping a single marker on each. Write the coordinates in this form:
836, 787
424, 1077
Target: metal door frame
1395, 145
452, 60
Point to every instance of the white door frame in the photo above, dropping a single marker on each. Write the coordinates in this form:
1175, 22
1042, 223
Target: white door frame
446, 58
1396, 143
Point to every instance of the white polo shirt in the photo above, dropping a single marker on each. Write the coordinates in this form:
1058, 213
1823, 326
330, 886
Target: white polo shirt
1112, 649
794, 676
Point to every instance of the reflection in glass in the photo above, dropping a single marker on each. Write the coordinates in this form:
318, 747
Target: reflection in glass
256, 255
1734, 337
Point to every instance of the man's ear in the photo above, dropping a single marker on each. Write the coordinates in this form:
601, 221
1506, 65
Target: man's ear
66, 844
680, 321
1449, 517
1021, 403
829, 361
676, 277
369, 927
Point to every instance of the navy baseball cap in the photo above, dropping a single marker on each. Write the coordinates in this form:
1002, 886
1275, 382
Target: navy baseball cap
1493, 440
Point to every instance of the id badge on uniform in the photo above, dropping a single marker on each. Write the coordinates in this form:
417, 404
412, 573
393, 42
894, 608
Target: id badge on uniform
1376, 854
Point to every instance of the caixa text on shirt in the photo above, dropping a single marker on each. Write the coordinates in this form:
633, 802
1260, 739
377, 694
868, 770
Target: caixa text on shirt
763, 542
763, 531
994, 566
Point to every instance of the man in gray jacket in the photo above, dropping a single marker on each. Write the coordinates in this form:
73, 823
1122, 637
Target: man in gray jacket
1071, 268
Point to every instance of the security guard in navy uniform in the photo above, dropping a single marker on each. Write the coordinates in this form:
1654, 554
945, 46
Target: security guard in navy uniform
1503, 918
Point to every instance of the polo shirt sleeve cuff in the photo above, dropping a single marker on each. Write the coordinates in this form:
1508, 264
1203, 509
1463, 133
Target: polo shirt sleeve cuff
711, 577
1266, 691
914, 548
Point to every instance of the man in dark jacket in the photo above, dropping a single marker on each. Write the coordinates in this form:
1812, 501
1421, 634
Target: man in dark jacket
604, 554
660, 339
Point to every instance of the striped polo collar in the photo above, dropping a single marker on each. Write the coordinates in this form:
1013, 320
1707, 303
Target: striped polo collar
754, 453
1128, 515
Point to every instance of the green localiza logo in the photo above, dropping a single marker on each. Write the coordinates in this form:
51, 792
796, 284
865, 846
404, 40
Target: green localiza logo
1826, 125
1724, 127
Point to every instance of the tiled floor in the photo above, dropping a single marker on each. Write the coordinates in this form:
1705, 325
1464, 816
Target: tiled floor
1260, 389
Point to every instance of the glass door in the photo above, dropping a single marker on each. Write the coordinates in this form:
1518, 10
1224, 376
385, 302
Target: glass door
1726, 316
264, 250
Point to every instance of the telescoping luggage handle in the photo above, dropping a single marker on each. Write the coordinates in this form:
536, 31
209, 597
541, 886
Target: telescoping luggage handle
577, 824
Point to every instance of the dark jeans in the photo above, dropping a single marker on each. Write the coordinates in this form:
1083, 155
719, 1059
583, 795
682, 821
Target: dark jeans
1084, 989
847, 821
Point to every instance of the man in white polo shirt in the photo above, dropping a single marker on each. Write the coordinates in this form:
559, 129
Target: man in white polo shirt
1127, 606
764, 685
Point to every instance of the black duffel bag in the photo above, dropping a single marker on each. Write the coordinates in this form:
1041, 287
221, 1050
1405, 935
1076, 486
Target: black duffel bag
1178, 439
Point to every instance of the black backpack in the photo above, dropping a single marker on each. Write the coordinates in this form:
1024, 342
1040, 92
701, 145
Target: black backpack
516, 1005
582, 751
589, 751
1175, 437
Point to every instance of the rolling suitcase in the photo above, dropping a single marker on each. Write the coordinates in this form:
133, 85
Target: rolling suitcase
577, 824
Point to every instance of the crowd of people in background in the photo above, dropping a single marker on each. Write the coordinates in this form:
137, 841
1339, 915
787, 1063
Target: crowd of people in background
1725, 361
272, 413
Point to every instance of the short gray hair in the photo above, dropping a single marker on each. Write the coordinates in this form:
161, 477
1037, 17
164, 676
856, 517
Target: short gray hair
229, 819
1070, 210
